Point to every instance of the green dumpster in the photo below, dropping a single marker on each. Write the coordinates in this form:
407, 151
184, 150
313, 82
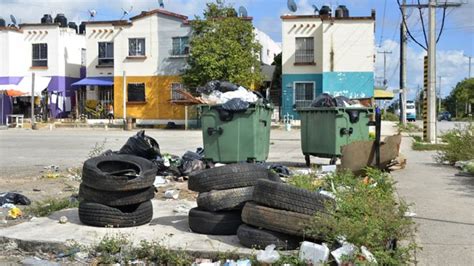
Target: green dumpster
325, 129
236, 137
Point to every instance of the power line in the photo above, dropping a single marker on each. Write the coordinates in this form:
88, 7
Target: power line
422, 23
408, 31
383, 22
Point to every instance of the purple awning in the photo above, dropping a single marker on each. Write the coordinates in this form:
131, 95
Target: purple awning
95, 81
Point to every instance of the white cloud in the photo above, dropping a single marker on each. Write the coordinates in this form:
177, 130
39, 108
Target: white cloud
452, 66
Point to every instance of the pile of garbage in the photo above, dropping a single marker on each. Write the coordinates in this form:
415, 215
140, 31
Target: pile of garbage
9, 200
466, 167
326, 100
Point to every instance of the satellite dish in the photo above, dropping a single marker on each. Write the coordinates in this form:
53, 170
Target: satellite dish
13, 20
243, 12
162, 4
316, 9
92, 14
292, 5
126, 12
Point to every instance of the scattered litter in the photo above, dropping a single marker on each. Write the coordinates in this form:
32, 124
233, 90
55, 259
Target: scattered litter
63, 220
467, 167
205, 262
160, 181
172, 194
327, 194
269, 255
345, 251
53, 168
81, 255
14, 213
368, 255
280, 169
187, 167
36, 189
137, 263
303, 172
8, 206
409, 214
244, 262
328, 168
182, 209
15, 198
314, 254
219, 164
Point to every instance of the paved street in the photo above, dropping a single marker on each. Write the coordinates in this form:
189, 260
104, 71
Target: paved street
444, 207
443, 126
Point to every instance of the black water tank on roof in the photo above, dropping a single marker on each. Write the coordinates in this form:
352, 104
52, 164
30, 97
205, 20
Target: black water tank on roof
339, 12
61, 19
3, 23
47, 19
82, 28
346, 11
72, 25
325, 11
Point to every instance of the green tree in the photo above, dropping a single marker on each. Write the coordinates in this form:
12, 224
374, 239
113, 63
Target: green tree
276, 79
223, 47
461, 98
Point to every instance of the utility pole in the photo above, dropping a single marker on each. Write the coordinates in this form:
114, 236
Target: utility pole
469, 64
403, 72
385, 67
431, 86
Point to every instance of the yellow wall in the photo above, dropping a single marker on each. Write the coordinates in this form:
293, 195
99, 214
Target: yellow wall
157, 95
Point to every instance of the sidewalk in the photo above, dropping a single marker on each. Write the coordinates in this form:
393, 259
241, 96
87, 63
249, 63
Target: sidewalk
444, 204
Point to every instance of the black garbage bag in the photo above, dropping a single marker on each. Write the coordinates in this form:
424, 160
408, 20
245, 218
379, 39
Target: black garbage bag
342, 101
324, 100
141, 145
14, 198
236, 105
191, 156
190, 166
168, 165
217, 85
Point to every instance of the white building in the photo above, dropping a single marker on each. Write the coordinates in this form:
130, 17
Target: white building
270, 48
52, 51
324, 54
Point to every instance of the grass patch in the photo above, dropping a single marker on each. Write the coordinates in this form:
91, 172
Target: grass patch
367, 214
423, 146
459, 144
408, 127
46, 207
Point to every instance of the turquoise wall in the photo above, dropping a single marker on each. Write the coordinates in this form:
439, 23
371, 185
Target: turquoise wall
349, 84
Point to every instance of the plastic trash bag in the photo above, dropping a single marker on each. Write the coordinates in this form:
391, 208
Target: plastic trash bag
14, 198
190, 156
217, 85
241, 93
236, 105
187, 167
342, 101
324, 100
141, 145
269, 255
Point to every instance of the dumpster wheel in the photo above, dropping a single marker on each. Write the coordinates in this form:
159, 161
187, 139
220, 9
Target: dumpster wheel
307, 160
333, 160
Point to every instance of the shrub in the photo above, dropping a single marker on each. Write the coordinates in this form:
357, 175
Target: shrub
367, 214
459, 144
389, 116
408, 127
46, 207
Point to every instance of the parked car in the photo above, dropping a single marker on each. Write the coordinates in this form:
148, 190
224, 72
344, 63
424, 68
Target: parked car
444, 116
411, 111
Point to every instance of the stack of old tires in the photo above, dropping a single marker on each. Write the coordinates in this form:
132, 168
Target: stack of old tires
278, 214
223, 192
116, 191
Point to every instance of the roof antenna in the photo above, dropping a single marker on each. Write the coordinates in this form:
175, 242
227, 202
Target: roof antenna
292, 5
126, 12
162, 4
243, 12
92, 14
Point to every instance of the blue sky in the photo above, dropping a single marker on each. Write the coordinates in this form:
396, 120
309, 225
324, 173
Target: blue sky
457, 39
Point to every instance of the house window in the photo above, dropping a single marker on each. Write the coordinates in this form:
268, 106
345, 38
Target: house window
136, 92
304, 50
106, 53
304, 94
180, 45
175, 95
136, 47
40, 54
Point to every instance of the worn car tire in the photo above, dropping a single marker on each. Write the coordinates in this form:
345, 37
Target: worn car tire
229, 199
104, 173
287, 197
116, 198
226, 177
252, 237
214, 223
97, 214
282, 221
